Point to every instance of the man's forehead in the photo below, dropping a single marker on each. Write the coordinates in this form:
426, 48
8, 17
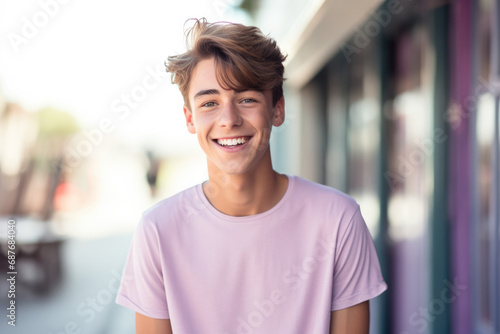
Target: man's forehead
205, 81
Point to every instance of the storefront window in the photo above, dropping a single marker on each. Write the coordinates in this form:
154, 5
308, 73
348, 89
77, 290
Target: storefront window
487, 238
485, 136
363, 138
409, 175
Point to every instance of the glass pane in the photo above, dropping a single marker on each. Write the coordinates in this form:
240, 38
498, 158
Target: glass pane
336, 122
484, 27
497, 111
363, 159
484, 133
411, 159
409, 173
363, 138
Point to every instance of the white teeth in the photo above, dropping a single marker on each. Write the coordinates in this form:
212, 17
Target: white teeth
232, 142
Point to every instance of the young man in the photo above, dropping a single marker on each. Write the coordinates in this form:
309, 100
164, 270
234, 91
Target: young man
250, 250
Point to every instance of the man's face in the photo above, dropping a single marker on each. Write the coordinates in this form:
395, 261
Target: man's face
233, 128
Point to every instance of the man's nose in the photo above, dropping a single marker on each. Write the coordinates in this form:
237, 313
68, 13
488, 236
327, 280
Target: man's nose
229, 116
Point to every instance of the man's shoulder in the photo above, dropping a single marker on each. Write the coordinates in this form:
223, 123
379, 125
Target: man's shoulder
313, 191
174, 206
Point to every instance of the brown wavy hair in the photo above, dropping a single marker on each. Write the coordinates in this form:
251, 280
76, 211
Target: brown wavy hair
245, 59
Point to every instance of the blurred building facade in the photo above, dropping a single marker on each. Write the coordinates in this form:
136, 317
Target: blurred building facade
17, 136
397, 104
31, 154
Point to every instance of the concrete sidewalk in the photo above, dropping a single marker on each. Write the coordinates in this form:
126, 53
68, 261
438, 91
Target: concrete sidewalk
84, 300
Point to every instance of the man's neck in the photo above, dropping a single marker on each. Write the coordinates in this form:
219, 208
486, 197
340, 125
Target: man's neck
245, 194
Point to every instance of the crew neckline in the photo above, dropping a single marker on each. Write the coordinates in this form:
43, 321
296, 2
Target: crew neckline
250, 218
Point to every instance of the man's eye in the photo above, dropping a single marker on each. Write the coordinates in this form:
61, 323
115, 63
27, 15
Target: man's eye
248, 101
208, 104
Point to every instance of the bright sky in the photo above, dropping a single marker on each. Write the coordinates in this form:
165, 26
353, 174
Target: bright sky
102, 60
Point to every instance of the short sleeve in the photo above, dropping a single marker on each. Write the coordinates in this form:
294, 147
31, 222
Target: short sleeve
142, 288
357, 276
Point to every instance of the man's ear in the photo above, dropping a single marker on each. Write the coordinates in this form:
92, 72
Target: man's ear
279, 112
189, 120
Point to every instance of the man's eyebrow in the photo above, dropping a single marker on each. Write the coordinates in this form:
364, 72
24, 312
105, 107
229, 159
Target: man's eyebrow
206, 92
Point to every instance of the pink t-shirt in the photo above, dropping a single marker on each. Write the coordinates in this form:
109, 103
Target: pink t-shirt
280, 271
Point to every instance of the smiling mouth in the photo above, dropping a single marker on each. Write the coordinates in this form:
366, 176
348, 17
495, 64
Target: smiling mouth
232, 142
